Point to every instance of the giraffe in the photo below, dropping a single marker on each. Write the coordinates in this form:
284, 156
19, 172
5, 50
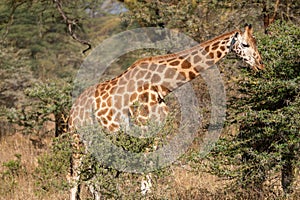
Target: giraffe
148, 81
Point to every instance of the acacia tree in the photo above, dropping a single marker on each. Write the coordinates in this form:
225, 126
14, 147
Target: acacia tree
42, 46
203, 19
266, 116
33, 42
267, 113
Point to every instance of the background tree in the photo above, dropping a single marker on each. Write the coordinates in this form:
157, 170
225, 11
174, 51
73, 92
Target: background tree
265, 112
39, 57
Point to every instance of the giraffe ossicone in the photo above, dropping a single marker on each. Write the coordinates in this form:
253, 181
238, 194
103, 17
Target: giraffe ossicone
111, 104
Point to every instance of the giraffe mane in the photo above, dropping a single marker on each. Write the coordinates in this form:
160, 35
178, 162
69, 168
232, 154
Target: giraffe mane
174, 55
206, 43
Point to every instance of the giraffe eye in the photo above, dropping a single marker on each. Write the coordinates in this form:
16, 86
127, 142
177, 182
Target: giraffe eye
245, 45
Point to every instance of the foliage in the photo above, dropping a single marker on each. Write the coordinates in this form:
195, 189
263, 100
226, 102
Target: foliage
15, 75
202, 19
36, 30
38, 57
12, 169
267, 116
52, 170
105, 178
266, 111
34, 69
48, 102
32, 48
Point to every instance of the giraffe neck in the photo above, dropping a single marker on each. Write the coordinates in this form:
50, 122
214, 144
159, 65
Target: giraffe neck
208, 53
220, 46
168, 72
186, 65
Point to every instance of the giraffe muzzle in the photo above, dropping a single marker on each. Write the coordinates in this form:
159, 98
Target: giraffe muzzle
258, 66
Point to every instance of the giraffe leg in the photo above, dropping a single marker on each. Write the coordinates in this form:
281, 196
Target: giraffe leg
93, 182
74, 182
146, 184
74, 192
76, 160
94, 191
162, 110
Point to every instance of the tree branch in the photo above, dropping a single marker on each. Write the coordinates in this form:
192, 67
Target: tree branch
267, 19
71, 23
14, 5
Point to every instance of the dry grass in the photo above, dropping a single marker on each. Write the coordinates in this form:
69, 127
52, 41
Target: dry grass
23, 181
179, 182
185, 183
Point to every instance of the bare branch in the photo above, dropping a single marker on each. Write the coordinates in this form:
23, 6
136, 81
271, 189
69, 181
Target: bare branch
272, 19
71, 23
14, 5
267, 19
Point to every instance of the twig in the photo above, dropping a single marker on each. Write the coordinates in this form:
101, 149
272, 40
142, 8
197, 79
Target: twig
267, 19
70, 24
14, 6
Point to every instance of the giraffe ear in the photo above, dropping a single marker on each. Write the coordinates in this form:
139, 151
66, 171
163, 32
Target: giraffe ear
248, 29
233, 41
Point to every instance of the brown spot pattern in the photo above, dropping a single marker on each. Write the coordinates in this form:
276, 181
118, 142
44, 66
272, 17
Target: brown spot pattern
133, 97
175, 63
192, 75
197, 59
185, 64
170, 73
155, 78
207, 49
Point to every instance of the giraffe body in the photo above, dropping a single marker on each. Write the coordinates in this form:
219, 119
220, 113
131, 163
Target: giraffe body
147, 82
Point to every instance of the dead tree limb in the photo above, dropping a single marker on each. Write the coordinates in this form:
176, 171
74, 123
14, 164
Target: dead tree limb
268, 20
71, 23
14, 5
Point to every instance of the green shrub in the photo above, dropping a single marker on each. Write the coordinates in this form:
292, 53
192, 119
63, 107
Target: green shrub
267, 116
12, 170
47, 102
53, 167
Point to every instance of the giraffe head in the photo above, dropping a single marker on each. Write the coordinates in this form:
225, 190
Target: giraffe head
244, 45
